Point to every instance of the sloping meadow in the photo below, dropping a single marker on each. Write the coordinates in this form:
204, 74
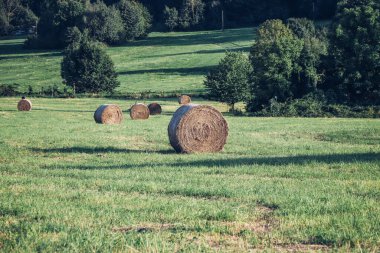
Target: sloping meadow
164, 63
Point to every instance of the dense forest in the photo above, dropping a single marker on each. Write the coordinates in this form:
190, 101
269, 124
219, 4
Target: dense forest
188, 14
247, 12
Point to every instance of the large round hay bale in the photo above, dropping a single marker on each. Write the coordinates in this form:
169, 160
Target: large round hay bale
184, 99
154, 109
108, 114
197, 129
24, 105
139, 111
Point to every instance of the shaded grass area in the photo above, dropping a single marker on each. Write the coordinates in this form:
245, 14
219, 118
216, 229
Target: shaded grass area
281, 184
164, 62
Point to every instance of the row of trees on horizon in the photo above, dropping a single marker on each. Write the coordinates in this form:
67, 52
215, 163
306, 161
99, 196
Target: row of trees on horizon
57, 16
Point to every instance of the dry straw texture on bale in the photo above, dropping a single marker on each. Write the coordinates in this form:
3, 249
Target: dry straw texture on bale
154, 109
197, 129
139, 111
24, 105
108, 114
184, 99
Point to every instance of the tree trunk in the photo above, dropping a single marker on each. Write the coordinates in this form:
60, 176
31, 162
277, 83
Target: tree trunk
232, 108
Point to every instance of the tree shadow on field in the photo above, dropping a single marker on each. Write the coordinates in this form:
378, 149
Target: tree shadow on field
280, 161
17, 50
165, 71
211, 51
60, 110
236, 162
190, 39
98, 150
30, 54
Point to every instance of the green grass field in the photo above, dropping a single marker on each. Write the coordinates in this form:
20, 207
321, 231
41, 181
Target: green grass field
281, 184
163, 63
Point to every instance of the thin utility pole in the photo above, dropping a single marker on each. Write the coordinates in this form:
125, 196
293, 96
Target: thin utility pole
222, 20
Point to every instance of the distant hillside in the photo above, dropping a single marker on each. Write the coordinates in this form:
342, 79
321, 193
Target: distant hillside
163, 63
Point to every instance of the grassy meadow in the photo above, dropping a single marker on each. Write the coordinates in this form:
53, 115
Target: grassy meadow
281, 184
162, 63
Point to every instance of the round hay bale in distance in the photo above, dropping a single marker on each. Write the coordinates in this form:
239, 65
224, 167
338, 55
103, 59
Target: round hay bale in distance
139, 111
197, 129
184, 99
24, 105
154, 109
108, 114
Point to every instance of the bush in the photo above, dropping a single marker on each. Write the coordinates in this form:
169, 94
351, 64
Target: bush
9, 90
315, 105
228, 83
87, 68
30, 90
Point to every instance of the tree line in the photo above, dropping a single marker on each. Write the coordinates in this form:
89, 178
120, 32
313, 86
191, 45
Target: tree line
58, 15
212, 14
56, 21
296, 65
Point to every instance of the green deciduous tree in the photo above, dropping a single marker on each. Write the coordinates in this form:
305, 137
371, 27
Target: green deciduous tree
4, 25
57, 16
274, 58
171, 18
104, 23
302, 27
13, 15
228, 83
355, 52
192, 13
87, 68
10, 9
314, 48
136, 19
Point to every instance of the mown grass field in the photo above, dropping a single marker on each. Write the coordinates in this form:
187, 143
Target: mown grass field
162, 63
281, 184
